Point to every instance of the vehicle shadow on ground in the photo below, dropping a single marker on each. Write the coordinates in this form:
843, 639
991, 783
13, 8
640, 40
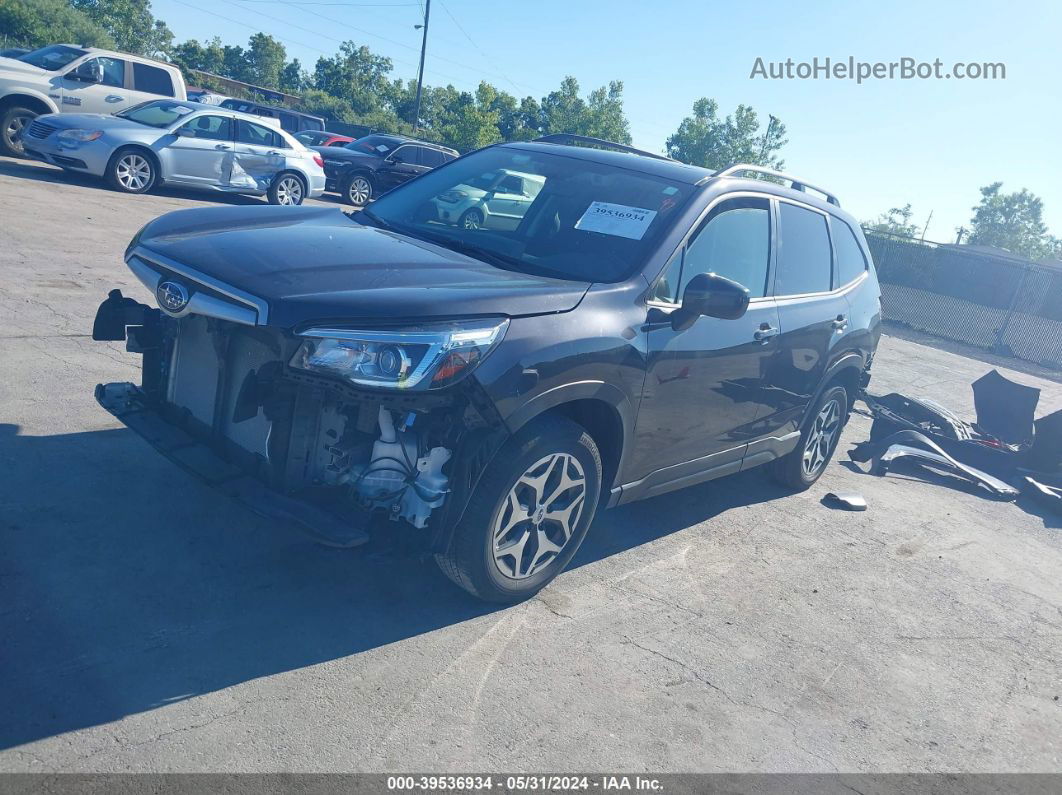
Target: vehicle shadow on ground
125, 585
43, 172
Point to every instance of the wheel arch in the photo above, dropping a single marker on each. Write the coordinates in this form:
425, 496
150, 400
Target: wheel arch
31, 101
846, 371
599, 407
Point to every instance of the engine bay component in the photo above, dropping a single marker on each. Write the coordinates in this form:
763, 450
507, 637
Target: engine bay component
397, 476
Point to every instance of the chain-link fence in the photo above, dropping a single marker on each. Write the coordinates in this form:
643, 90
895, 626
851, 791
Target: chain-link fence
1003, 304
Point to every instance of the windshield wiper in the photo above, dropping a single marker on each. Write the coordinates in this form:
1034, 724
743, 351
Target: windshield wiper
471, 249
376, 220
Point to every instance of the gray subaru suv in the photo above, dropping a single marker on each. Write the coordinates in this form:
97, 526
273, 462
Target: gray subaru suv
641, 326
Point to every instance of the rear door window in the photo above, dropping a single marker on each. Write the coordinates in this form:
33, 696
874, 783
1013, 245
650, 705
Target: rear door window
850, 260
803, 252
152, 80
432, 158
257, 135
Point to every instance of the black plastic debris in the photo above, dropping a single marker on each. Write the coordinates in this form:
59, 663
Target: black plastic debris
1006, 452
1005, 409
846, 500
924, 451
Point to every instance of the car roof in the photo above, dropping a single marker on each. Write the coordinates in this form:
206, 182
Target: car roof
265, 121
671, 170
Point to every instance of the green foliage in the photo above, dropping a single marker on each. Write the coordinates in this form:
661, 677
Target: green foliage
130, 23
37, 23
356, 75
564, 111
704, 139
896, 221
1012, 221
265, 58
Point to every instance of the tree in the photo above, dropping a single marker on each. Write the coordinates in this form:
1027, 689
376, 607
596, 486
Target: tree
292, 78
36, 23
265, 60
130, 23
896, 221
472, 122
564, 111
1011, 221
356, 75
205, 58
705, 140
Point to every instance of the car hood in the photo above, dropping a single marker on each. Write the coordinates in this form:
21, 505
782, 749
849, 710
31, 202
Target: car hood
21, 67
94, 121
314, 265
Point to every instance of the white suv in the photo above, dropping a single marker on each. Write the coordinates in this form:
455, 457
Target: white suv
493, 200
63, 78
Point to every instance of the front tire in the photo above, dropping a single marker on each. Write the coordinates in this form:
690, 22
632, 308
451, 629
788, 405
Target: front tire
529, 513
818, 440
13, 123
470, 219
357, 190
132, 170
287, 190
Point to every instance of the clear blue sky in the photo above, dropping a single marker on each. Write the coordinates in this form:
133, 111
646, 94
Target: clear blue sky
880, 144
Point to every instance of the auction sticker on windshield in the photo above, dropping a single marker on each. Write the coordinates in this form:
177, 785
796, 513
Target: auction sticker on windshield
616, 219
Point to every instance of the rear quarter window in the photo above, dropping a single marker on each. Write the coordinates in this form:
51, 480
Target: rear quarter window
850, 259
152, 80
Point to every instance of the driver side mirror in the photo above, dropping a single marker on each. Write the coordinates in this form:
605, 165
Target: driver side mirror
88, 72
394, 159
711, 295
184, 132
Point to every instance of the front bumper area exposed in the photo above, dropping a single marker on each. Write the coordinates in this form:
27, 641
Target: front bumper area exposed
128, 404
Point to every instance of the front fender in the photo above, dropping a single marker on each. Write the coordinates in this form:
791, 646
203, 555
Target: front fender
12, 94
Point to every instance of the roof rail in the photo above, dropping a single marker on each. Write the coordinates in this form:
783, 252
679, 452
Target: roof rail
601, 143
794, 182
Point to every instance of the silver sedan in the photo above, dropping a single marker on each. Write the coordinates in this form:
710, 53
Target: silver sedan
180, 143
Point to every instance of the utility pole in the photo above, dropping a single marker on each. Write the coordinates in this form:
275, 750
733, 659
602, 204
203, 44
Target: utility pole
420, 74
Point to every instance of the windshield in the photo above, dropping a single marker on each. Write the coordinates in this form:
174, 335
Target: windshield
156, 113
537, 212
373, 144
52, 58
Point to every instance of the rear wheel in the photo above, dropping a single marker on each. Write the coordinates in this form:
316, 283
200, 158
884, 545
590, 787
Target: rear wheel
132, 170
529, 514
13, 123
357, 190
287, 189
818, 441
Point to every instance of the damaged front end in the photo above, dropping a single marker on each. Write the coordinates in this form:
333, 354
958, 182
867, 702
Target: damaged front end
311, 427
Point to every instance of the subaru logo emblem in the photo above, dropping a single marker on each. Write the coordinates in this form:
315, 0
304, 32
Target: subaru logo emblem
173, 297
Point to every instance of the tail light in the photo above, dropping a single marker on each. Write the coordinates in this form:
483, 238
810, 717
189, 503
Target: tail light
318, 160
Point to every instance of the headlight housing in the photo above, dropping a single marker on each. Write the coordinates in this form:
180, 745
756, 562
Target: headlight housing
80, 136
423, 358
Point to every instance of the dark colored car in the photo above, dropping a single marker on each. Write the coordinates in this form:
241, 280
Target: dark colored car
370, 166
646, 326
291, 121
323, 138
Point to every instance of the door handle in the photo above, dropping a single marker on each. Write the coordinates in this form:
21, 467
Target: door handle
765, 332
114, 98
221, 146
840, 323
274, 152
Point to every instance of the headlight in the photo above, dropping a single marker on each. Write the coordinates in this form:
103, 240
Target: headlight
81, 136
399, 359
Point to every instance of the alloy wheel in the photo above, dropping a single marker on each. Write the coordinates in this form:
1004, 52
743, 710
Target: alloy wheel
821, 438
289, 191
471, 220
15, 127
359, 191
133, 172
539, 516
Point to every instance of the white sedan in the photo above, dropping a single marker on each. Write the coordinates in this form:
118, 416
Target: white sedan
493, 200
